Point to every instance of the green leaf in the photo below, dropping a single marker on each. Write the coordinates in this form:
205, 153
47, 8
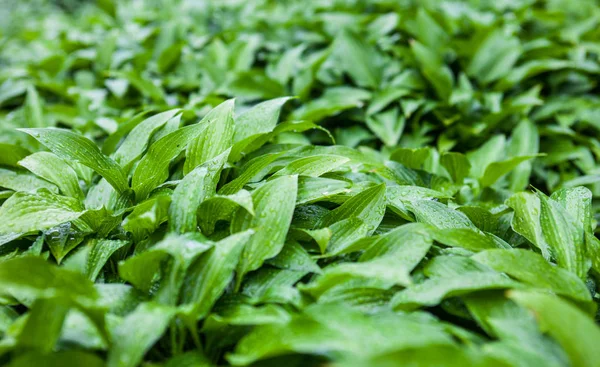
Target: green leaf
578, 203
215, 139
199, 185
273, 206
73, 358
529, 267
153, 168
457, 165
251, 124
43, 280
33, 108
336, 330
43, 325
101, 250
573, 330
388, 126
368, 206
467, 238
526, 220
137, 140
314, 166
440, 216
54, 169
357, 58
74, 147
24, 213
432, 291
137, 332
23, 181
210, 274
524, 141
222, 207
566, 241
434, 70
495, 170
495, 57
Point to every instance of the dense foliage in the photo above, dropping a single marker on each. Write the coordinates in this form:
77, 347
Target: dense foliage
299, 183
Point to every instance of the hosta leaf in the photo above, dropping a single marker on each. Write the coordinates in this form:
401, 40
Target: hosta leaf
357, 58
74, 147
222, 207
44, 322
524, 141
467, 238
137, 332
142, 270
457, 165
137, 140
531, 268
273, 206
211, 273
197, 186
526, 220
42, 280
432, 291
368, 206
564, 238
101, 250
23, 181
578, 203
495, 170
336, 330
258, 120
439, 215
294, 257
215, 139
495, 57
573, 330
314, 166
312, 189
23, 212
74, 358
153, 168
10, 154
516, 327
54, 169
388, 126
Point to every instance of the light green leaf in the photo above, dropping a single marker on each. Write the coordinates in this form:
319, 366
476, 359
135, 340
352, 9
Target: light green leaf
137, 332
199, 185
100, 251
54, 169
357, 58
24, 181
210, 274
529, 267
573, 330
153, 168
74, 147
566, 241
314, 166
495, 170
526, 220
215, 139
24, 213
137, 140
368, 206
524, 141
457, 165
440, 216
274, 205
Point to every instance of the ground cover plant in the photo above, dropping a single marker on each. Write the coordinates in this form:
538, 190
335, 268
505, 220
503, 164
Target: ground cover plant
299, 183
